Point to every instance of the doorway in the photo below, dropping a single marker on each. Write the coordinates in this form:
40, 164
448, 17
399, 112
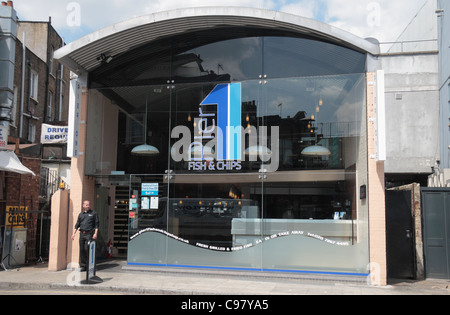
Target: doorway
101, 206
436, 214
399, 235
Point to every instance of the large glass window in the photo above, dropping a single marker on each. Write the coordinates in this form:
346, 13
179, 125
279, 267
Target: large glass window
262, 155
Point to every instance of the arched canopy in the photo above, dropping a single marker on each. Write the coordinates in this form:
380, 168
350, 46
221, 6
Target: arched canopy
93, 51
192, 45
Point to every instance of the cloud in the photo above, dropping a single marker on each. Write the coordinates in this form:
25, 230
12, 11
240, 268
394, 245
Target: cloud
383, 19
304, 8
94, 15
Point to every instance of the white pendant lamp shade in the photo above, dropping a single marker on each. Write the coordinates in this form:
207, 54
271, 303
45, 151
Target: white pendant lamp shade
203, 152
316, 150
145, 150
261, 151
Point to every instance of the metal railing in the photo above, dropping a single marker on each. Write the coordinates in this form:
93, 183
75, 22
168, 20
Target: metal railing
339, 129
49, 183
410, 46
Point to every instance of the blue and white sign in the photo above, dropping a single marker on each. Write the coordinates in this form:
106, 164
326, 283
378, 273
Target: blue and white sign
4, 130
91, 264
150, 189
54, 134
73, 143
217, 141
227, 97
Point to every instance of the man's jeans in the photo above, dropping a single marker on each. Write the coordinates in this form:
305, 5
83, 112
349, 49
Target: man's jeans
84, 248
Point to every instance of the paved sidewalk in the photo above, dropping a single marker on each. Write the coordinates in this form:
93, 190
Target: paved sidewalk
115, 277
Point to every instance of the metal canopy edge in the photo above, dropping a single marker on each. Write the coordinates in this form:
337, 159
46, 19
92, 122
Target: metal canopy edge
81, 55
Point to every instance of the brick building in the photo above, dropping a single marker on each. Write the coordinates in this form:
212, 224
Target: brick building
45, 94
39, 94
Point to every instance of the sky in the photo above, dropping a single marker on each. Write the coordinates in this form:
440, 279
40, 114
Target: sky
381, 19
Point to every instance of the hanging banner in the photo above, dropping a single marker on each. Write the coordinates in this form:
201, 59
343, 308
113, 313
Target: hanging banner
74, 119
54, 134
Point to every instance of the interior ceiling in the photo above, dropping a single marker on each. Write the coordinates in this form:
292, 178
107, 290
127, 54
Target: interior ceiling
126, 79
130, 64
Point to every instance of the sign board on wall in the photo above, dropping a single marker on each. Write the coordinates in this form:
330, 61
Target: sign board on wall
16, 217
74, 119
54, 134
4, 130
150, 189
380, 111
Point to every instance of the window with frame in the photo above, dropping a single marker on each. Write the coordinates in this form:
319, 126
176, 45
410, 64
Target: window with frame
50, 61
306, 215
31, 133
34, 84
49, 105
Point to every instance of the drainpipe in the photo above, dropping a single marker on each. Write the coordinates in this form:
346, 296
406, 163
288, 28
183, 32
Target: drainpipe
22, 90
48, 67
61, 93
8, 30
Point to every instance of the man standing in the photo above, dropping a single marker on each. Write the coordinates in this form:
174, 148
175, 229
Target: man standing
88, 224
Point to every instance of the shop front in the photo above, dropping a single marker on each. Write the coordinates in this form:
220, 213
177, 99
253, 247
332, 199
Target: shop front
243, 148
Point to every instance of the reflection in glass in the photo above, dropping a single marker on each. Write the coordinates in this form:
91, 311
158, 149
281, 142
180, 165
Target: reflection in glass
296, 94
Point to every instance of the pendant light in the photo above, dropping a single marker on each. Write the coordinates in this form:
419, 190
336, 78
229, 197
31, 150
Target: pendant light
316, 150
145, 149
256, 150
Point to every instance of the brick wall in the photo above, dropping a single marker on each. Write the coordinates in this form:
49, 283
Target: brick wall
22, 188
54, 80
376, 196
48, 83
23, 191
31, 107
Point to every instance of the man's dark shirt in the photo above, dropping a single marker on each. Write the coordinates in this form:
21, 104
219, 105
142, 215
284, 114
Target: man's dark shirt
87, 221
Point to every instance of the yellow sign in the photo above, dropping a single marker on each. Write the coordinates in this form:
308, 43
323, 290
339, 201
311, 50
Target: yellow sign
16, 217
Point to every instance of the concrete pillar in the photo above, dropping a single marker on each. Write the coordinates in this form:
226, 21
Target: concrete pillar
376, 195
58, 231
81, 187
